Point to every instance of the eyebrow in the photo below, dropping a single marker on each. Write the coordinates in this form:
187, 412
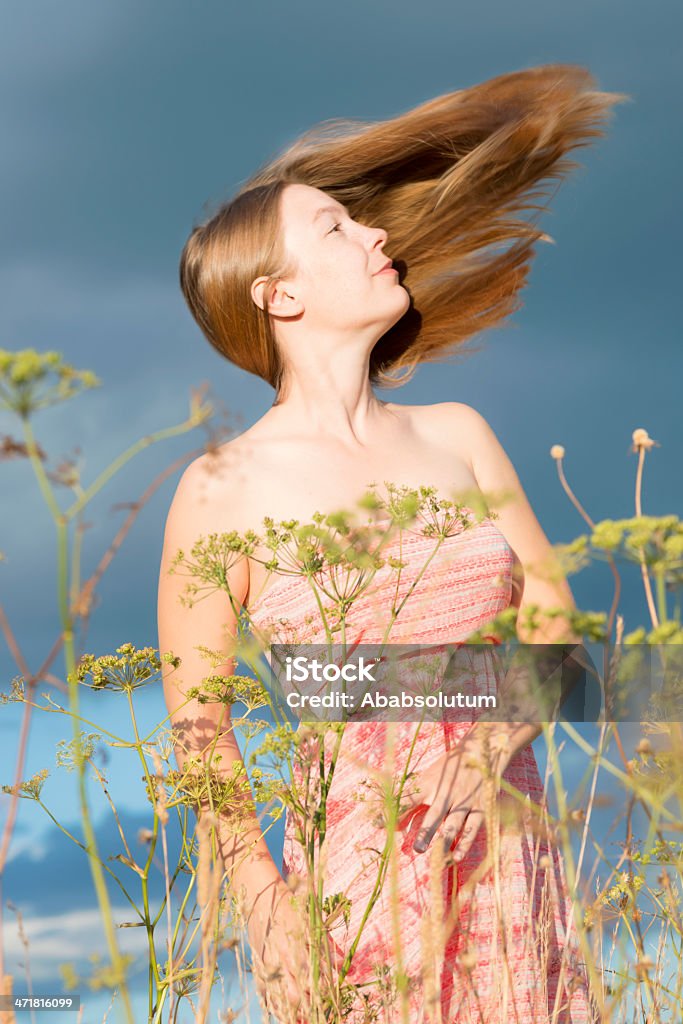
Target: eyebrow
327, 209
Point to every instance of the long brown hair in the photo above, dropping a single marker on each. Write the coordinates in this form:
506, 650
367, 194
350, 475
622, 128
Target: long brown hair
447, 180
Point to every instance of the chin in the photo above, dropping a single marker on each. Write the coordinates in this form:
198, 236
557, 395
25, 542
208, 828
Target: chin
406, 297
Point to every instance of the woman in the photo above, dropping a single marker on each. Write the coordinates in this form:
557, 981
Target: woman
360, 253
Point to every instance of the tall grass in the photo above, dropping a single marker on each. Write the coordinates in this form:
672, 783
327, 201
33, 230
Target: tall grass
624, 923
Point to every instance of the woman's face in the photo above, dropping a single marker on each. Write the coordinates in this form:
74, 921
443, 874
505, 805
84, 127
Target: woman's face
338, 259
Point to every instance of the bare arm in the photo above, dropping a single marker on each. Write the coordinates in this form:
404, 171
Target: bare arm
198, 510
543, 582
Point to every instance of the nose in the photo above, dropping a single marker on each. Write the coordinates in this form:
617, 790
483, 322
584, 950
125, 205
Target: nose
379, 236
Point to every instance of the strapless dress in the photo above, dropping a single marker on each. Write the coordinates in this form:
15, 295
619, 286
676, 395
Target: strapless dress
491, 940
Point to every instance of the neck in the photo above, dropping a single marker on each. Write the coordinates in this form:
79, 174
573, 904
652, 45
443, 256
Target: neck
331, 399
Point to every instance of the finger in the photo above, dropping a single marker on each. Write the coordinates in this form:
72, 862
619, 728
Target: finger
462, 833
430, 823
455, 820
406, 814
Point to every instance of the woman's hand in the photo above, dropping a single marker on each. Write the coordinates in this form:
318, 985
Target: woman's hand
453, 790
282, 956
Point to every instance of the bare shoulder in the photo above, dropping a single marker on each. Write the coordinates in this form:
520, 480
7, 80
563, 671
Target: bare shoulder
201, 506
231, 465
196, 489
458, 421
497, 478
478, 441
454, 413
484, 444
208, 491
490, 463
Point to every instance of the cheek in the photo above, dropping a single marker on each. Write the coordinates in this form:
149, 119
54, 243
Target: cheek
342, 279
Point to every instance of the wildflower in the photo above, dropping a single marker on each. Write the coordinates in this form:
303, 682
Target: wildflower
30, 790
27, 380
655, 541
130, 670
280, 743
166, 742
16, 693
210, 561
335, 906
231, 690
198, 781
72, 753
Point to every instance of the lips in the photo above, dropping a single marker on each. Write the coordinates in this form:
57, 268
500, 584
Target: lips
388, 265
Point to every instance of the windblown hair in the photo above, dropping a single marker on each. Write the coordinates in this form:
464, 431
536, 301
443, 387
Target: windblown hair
447, 180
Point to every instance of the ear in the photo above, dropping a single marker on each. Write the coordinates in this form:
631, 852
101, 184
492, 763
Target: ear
282, 302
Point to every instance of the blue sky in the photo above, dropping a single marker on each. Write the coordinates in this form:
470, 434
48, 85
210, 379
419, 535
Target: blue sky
121, 121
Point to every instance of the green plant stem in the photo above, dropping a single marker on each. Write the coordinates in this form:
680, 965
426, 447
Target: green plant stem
660, 583
76, 565
562, 825
70, 663
384, 861
82, 847
401, 976
153, 971
56, 709
121, 460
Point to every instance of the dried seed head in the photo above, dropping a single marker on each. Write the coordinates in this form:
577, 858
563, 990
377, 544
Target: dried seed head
644, 746
544, 861
557, 451
641, 439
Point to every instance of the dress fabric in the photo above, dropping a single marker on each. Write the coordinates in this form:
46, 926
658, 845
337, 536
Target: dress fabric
462, 967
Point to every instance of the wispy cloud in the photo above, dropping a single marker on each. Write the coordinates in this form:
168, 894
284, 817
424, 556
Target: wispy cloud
68, 937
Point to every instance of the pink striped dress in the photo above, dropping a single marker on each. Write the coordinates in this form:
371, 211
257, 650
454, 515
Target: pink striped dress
481, 941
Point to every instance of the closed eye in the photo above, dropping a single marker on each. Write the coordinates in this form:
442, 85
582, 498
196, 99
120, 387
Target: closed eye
334, 228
